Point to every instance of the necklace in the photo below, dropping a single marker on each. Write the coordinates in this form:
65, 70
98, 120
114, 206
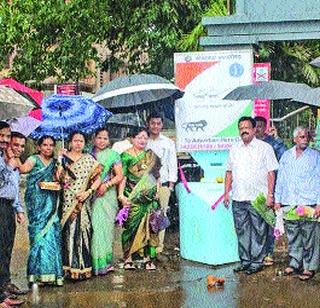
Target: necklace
136, 152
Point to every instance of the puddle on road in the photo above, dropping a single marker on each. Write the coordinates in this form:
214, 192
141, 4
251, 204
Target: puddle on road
175, 283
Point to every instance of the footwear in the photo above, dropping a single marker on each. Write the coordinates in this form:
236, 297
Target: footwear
129, 266
253, 270
291, 271
13, 302
13, 289
110, 269
268, 261
149, 266
241, 268
307, 275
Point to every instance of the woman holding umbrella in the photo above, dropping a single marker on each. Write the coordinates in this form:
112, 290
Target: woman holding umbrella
44, 261
138, 191
105, 205
80, 178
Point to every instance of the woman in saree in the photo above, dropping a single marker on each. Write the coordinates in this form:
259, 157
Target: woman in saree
105, 205
138, 191
80, 178
44, 261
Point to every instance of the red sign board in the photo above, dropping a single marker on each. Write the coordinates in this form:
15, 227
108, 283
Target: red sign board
68, 89
261, 107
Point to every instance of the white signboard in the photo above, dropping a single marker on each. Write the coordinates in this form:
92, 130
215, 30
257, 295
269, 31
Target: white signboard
205, 121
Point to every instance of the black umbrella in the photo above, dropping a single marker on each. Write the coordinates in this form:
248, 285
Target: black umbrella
125, 92
274, 89
311, 97
125, 119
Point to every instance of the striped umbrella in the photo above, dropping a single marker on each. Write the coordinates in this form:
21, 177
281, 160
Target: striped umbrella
125, 92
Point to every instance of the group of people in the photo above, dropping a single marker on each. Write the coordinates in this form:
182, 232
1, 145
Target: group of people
72, 202
290, 180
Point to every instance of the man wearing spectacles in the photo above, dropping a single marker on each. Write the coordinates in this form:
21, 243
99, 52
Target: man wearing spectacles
298, 187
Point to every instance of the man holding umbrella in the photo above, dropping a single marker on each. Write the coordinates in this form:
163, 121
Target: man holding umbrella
279, 148
165, 150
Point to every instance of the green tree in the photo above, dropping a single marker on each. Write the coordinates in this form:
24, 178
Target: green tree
190, 40
145, 34
51, 38
58, 38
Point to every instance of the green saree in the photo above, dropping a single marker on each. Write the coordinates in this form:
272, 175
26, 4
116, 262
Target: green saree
142, 172
103, 215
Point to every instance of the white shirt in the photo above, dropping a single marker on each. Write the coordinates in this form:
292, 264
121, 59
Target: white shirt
122, 146
166, 151
250, 165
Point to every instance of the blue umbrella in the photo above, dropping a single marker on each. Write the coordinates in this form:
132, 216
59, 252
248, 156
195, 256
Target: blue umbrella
63, 114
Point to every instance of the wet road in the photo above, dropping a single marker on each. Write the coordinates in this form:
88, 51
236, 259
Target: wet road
176, 283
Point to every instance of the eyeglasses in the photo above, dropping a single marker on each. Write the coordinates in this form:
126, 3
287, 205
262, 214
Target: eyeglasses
303, 137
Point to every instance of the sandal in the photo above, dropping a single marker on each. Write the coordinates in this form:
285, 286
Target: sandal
110, 269
149, 266
129, 266
291, 271
307, 275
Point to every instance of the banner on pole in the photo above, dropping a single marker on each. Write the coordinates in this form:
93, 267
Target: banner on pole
204, 121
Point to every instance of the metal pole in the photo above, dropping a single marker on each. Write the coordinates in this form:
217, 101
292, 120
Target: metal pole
229, 7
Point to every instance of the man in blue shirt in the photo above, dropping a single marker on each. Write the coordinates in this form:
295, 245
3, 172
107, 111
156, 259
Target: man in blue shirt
10, 209
279, 148
298, 184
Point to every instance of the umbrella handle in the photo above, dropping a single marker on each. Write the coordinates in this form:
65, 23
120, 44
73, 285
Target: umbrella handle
62, 140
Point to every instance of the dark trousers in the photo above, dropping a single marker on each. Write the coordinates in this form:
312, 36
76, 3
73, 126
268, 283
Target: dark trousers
7, 234
303, 244
270, 242
251, 231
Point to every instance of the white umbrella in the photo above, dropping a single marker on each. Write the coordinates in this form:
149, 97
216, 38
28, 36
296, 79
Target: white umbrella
24, 125
12, 104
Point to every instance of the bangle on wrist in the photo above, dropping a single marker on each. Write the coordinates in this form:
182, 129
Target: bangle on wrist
108, 184
90, 191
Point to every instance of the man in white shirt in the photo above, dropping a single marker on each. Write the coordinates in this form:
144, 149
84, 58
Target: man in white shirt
166, 151
250, 171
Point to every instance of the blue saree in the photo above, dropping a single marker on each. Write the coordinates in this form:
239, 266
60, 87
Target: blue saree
44, 261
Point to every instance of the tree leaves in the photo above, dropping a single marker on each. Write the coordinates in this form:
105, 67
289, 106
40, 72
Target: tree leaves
51, 38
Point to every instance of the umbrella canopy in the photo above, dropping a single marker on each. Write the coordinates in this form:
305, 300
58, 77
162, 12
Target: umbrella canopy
274, 89
24, 125
12, 104
134, 90
63, 114
316, 62
311, 97
31, 94
125, 119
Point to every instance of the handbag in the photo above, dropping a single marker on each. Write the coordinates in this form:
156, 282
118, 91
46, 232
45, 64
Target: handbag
158, 221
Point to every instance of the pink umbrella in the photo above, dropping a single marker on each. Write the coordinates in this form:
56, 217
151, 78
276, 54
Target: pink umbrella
24, 125
32, 94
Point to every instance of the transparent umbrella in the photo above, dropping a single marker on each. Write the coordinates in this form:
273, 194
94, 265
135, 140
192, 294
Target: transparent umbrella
12, 104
